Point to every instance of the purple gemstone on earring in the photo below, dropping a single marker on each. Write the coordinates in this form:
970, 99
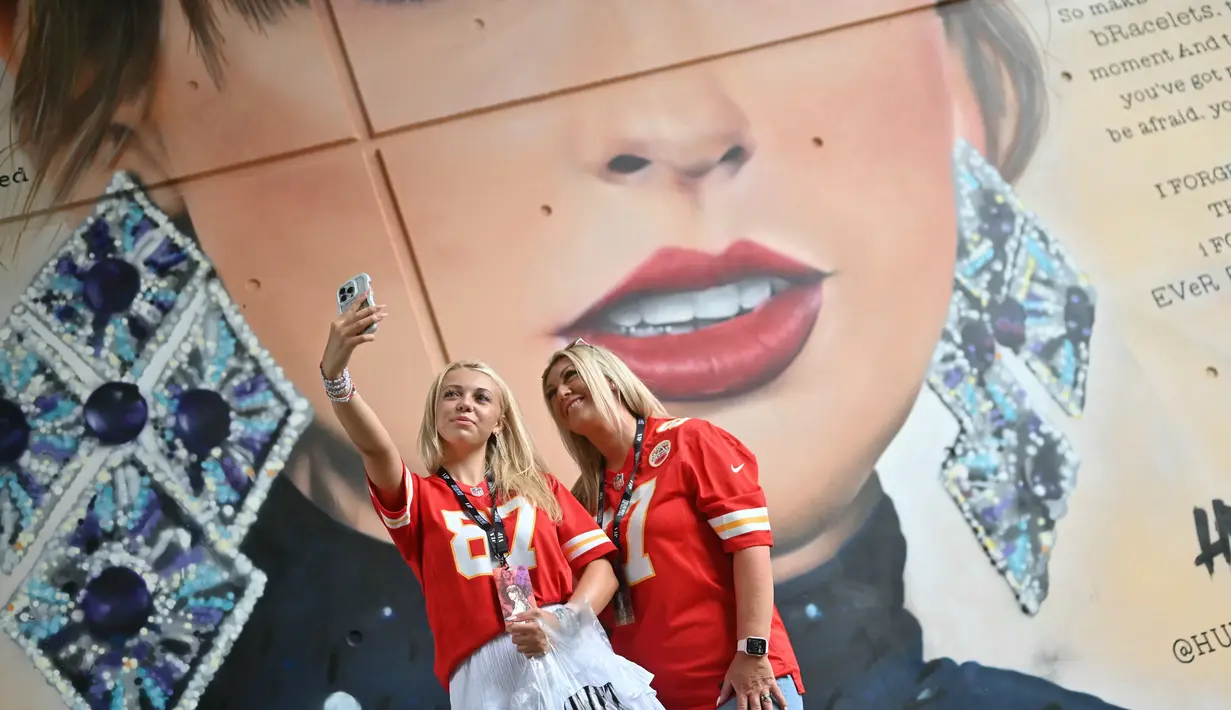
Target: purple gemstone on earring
66, 266
140, 227
116, 413
111, 285
116, 604
1078, 313
98, 238
166, 257
202, 421
235, 475
14, 432
1009, 323
65, 314
979, 345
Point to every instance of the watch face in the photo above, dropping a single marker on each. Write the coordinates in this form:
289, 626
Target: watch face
756, 646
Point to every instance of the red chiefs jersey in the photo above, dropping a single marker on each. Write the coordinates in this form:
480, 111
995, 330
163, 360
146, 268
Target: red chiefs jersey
697, 501
449, 554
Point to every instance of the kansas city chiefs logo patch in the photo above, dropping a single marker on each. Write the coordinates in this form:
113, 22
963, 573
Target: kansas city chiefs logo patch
660, 453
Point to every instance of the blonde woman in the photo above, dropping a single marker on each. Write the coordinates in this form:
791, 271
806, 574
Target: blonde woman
490, 518
695, 602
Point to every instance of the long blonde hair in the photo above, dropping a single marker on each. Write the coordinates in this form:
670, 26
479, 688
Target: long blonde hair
599, 368
514, 461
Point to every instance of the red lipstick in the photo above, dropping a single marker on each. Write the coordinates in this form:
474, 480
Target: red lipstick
700, 326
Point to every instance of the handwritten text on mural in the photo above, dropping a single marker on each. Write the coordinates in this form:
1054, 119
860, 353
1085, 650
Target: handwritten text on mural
1192, 288
1213, 543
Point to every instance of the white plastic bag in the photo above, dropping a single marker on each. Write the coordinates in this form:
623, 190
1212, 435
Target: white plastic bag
579, 673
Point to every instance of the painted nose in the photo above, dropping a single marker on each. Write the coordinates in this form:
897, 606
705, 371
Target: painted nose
694, 165
686, 136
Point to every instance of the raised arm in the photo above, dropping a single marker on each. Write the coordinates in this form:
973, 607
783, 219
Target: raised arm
371, 439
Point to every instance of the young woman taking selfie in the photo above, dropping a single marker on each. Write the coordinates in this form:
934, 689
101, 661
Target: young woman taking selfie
489, 520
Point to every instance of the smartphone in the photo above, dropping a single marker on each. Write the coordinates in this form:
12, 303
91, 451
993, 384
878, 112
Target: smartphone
354, 288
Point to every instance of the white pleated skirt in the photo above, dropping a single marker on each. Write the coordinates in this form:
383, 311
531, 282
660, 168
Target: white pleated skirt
580, 673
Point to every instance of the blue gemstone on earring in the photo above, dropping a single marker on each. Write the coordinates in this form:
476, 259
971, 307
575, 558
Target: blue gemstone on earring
14, 432
1009, 323
202, 421
116, 604
111, 286
116, 413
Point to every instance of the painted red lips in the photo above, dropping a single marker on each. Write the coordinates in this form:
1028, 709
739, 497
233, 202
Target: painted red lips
701, 326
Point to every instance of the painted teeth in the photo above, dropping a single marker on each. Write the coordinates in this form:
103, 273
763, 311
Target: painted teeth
686, 311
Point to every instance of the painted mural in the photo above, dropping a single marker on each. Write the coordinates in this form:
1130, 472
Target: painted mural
952, 271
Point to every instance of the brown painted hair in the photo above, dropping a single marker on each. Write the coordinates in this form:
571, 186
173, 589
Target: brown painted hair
81, 61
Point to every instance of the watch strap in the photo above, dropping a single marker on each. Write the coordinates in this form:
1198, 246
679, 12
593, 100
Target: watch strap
743, 644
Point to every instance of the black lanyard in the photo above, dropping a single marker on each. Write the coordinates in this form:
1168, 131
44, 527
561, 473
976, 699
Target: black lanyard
496, 539
625, 501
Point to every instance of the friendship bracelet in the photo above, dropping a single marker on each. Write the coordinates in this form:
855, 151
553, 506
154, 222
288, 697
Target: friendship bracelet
343, 399
338, 385
337, 381
339, 389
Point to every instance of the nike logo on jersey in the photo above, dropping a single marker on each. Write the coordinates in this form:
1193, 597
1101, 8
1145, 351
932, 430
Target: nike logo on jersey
737, 469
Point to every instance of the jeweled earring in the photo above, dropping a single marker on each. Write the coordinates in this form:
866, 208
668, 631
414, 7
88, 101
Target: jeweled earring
126, 363
1015, 292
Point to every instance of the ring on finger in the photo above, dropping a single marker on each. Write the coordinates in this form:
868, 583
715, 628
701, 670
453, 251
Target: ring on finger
766, 697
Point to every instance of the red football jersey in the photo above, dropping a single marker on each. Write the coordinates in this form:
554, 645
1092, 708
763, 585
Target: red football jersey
697, 500
449, 554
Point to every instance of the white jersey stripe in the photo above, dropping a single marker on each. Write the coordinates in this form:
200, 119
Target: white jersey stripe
744, 528
583, 543
403, 519
741, 522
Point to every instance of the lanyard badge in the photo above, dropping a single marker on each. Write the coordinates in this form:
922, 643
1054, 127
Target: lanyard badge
497, 540
622, 602
514, 589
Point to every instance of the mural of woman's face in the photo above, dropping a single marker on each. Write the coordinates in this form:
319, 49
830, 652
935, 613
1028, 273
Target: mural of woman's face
789, 290
767, 239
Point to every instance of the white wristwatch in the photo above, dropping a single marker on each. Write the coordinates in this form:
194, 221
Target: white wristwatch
753, 646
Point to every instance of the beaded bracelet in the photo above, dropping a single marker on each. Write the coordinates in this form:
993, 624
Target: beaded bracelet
343, 399
337, 386
339, 389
